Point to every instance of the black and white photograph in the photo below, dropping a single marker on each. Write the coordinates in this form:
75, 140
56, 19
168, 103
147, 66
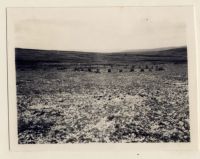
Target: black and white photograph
101, 75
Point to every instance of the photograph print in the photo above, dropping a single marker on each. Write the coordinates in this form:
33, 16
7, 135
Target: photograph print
101, 75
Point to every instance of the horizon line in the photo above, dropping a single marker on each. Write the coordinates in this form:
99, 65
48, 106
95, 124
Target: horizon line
126, 51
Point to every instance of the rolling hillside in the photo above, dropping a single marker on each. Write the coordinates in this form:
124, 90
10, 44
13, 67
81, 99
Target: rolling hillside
31, 56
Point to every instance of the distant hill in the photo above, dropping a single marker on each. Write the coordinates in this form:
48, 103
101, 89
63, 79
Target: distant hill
31, 56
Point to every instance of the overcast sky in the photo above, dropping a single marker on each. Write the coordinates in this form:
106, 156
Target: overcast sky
99, 29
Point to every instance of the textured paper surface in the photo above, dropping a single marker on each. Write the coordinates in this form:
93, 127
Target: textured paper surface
110, 148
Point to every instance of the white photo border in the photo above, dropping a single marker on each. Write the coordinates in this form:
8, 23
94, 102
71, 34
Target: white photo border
10, 151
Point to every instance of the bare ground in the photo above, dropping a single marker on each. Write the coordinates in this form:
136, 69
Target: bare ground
63, 106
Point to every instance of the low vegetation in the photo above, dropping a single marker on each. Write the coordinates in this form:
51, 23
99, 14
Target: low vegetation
82, 104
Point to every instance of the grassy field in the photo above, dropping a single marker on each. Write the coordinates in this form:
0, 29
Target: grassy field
70, 97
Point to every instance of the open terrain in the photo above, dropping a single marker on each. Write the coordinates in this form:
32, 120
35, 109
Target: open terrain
81, 97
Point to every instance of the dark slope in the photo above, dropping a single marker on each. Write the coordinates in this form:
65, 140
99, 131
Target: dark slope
31, 56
